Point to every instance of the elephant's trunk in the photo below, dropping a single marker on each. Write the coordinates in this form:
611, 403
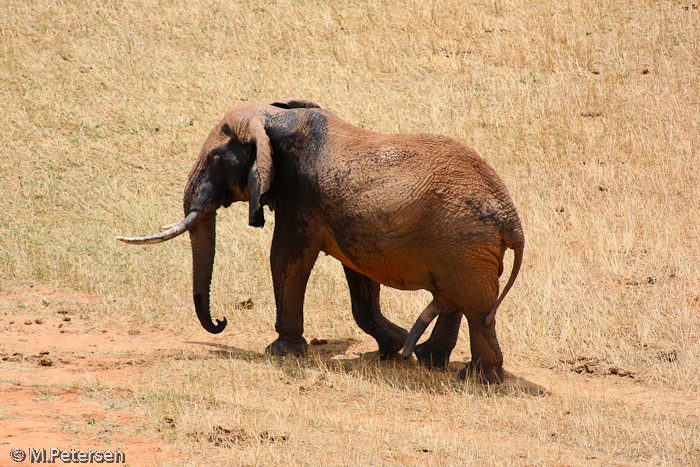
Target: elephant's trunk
203, 240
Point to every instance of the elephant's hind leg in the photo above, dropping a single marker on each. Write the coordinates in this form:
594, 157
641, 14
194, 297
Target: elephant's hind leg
487, 360
436, 351
364, 295
481, 293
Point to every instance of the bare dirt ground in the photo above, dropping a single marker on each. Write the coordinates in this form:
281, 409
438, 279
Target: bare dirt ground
52, 368
68, 383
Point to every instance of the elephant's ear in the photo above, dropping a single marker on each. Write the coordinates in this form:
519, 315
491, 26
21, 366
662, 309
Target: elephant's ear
296, 103
261, 172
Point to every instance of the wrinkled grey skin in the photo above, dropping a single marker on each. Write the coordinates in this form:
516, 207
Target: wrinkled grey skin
412, 212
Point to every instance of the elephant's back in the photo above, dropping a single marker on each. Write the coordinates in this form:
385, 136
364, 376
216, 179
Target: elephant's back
413, 202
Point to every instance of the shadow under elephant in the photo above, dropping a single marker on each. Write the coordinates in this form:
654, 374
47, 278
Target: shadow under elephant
332, 355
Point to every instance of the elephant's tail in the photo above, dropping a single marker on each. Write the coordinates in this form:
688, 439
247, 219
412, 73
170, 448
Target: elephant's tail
515, 239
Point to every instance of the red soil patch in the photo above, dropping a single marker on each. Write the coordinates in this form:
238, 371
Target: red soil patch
55, 372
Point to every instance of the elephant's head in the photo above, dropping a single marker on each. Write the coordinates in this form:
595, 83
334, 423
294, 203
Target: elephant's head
235, 164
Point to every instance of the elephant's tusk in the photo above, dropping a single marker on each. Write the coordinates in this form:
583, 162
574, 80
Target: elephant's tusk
173, 231
169, 226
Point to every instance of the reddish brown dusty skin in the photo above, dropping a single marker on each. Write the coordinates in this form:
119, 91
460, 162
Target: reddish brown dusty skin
417, 211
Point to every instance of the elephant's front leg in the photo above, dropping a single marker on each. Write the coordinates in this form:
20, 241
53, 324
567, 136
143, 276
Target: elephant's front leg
291, 259
364, 295
436, 351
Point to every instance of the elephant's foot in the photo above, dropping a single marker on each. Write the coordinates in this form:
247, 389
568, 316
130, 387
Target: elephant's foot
391, 342
286, 346
482, 375
388, 348
433, 356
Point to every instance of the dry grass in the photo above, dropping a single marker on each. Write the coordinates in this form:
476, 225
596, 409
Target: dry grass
590, 111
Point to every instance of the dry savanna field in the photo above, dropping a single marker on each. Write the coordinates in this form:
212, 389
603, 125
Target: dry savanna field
590, 113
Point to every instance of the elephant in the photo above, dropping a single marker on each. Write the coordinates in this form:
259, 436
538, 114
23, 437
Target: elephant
419, 211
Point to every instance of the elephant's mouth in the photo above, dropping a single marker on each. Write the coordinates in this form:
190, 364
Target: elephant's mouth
169, 231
